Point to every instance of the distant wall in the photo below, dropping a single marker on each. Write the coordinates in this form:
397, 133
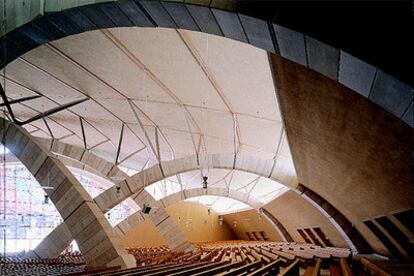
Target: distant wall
193, 220
249, 221
352, 153
294, 212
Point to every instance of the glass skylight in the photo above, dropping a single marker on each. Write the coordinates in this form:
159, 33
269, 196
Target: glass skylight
219, 204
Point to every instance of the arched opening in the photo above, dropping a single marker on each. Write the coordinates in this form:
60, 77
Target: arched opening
158, 138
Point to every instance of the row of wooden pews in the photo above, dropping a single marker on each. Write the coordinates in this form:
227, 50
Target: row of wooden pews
255, 258
238, 258
20, 264
222, 258
378, 266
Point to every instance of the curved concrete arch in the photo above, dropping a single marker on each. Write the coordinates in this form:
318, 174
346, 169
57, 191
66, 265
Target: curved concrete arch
80, 157
131, 186
266, 168
63, 18
85, 223
73, 156
130, 222
233, 194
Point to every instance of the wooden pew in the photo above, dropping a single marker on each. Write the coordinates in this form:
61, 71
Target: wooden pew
218, 256
96, 271
269, 254
220, 269
346, 270
292, 269
288, 256
243, 269
258, 256
248, 255
208, 255
146, 269
373, 267
272, 267
168, 270
298, 253
335, 269
192, 271
313, 270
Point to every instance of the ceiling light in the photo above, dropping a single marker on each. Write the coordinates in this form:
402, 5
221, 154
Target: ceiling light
46, 199
146, 209
205, 178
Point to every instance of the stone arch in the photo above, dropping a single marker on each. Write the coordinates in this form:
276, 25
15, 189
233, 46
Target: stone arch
132, 186
73, 155
130, 222
266, 168
85, 223
45, 23
65, 18
57, 19
80, 158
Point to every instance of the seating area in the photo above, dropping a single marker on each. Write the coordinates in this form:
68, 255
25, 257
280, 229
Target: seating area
19, 264
206, 137
236, 257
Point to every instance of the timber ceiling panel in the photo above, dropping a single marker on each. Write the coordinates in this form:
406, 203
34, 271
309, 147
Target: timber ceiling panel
166, 56
39, 82
16, 91
63, 70
263, 134
194, 93
249, 87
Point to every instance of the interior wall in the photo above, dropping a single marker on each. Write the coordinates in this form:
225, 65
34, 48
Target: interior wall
197, 225
192, 218
144, 234
351, 152
249, 221
294, 213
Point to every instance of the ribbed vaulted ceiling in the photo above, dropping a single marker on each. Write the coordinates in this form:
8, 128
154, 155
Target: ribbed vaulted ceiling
193, 92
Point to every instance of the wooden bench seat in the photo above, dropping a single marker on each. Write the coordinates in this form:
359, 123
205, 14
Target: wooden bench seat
244, 269
272, 267
166, 269
220, 269
292, 269
313, 270
195, 270
345, 269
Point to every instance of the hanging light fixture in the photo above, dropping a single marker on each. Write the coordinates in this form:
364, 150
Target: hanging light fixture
46, 199
146, 209
118, 190
205, 178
